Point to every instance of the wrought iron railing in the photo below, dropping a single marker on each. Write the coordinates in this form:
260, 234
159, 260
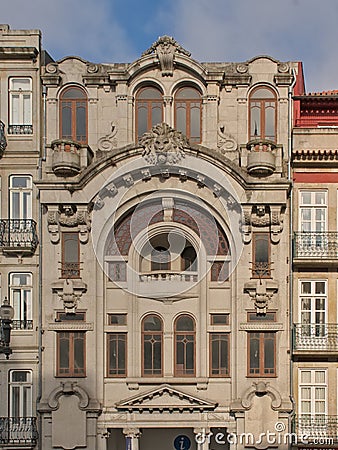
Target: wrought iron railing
317, 429
20, 129
316, 244
18, 234
18, 431
315, 337
261, 269
70, 270
22, 324
3, 142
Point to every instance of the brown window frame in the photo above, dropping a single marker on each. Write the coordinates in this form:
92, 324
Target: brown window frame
72, 371
263, 107
119, 372
184, 372
148, 104
70, 269
262, 337
225, 315
159, 333
220, 371
188, 106
73, 105
261, 269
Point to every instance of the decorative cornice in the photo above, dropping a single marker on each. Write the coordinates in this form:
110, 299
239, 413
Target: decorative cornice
19, 53
315, 155
261, 326
262, 216
70, 326
68, 216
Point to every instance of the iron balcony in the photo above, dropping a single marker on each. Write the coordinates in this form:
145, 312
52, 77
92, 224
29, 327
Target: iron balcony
18, 235
19, 431
315, 337
320, 245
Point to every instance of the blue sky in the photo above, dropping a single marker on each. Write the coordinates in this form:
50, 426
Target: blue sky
212, 30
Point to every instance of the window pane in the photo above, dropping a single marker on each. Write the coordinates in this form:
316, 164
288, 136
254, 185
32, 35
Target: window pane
156, 115
195, 124
27, 111
152, 323
20, 83
185, 323
78, 353
269, 352
64, 352
15, 110
81, 131
73, 93
71, 247
66, 120
181, 118
263, 93
142, 120
188, 92
270, 122
149, 93
261, 249
255, 120
254, 351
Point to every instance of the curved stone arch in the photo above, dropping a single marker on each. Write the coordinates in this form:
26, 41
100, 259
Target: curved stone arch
188, 82
263, 84
143, 82
261, 389
147, 63
68, 388
227, 194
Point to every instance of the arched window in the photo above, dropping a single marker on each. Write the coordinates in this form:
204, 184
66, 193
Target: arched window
149, 109
188, 117
185, 337
73, 115
152, 346
263, 114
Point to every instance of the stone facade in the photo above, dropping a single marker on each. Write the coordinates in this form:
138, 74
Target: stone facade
160, 276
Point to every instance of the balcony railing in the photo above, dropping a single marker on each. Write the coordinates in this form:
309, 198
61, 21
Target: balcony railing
70, 270
18, 235
165, 275
22, 324
316, 245
316, 429
20, 129
315, 337
18, 431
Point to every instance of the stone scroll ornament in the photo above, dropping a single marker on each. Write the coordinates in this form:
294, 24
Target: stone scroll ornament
165, 48
163, 145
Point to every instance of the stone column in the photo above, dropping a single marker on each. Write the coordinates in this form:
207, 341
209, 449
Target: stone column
132, 438
167, 118
101, 440
202, 438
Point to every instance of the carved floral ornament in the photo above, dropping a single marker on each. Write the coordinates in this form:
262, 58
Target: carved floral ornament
163, 145
165, 48
68, 216
262, 216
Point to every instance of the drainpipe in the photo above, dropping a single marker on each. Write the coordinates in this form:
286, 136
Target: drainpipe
290, 125
41, 160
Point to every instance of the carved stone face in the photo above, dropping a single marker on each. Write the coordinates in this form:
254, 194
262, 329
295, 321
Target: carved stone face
162, 144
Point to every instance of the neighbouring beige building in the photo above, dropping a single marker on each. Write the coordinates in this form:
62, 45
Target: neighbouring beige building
146, 236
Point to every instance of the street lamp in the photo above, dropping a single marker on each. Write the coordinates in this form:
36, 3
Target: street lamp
6, 316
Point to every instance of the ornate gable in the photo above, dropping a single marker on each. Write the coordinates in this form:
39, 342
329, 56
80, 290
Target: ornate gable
165, 398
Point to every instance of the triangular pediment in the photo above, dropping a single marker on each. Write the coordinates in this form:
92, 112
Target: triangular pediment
165, 398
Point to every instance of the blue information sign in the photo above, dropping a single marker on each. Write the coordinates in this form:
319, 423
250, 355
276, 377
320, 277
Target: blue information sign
182, 442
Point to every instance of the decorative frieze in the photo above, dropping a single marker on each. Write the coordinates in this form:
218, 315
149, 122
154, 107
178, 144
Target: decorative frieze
261, 292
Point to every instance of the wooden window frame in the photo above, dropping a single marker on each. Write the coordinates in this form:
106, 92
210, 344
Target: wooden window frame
72, 371
188, 107
119, 373
74, 102
149, 102
262, 102
73, 269
157, 333
226, 316
178, 372
262, 337
223, 372
258, 269
20, 93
